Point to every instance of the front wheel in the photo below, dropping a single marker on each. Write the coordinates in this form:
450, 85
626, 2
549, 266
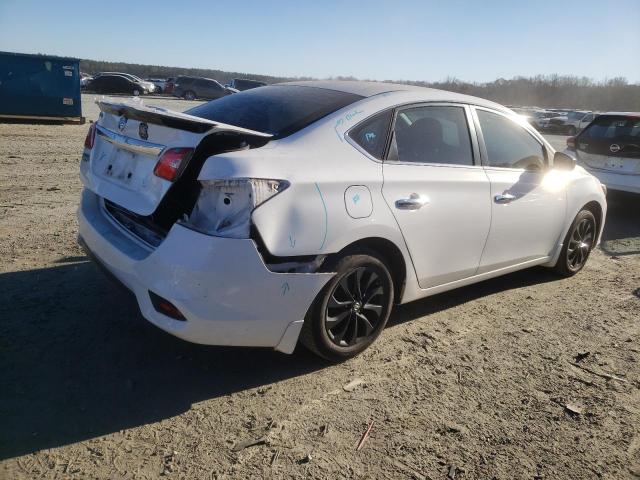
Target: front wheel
578, 243
189, 95
351, 310
136, 93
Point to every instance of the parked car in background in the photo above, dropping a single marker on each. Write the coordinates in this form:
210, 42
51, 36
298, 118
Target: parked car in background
116, 84
541, 120
231, 225
85, 78
586, 120
169, 85
609, 148
191, 88
159, 83
569, 124
242, 84
537, 118
148, 87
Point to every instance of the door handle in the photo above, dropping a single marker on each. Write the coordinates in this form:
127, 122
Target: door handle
414, 202
504, 198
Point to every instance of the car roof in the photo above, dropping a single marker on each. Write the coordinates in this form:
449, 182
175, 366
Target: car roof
190, 77
624, 114
112, 75
369, 89
364, 89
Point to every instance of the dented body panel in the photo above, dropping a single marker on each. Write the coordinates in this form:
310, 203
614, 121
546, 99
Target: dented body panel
220, 285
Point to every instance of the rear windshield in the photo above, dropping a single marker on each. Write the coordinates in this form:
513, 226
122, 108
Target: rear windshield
618, 128
276, 109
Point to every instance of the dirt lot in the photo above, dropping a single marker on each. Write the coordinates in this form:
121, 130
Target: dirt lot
526, 376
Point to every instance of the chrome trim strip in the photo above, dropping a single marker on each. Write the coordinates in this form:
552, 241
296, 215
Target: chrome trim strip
128, 143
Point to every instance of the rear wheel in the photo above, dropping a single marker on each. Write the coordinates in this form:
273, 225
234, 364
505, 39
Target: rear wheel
351, 310
189, 95
578, 244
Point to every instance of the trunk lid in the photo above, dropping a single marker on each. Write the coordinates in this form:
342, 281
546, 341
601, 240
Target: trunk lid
130, 139
611, 143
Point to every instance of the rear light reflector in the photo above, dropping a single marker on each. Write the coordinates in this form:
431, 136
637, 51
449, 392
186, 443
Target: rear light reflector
172, 163
165, 307
91, 136
571, 143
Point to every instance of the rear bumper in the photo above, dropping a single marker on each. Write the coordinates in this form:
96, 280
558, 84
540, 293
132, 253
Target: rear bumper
220, 285
615, 181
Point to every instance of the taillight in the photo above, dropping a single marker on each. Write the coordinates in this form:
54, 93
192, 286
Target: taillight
91, 136
172, 162
571, 143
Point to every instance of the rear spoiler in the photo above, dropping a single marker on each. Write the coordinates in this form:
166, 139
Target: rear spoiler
135, 109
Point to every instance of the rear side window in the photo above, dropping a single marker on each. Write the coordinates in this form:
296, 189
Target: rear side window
432, 135
371, 135
276, 109
508, 144
204, 83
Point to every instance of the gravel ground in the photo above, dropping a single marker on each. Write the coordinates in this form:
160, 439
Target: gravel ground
524, 376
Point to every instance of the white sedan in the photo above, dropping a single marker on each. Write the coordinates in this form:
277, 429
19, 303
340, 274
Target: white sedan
305, 211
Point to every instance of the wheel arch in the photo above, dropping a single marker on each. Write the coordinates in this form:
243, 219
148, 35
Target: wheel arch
595, 208
390, 254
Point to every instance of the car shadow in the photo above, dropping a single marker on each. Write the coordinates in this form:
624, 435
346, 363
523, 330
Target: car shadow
79, 361
621, 234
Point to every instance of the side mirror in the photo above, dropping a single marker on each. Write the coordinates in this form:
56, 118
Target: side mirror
562, 161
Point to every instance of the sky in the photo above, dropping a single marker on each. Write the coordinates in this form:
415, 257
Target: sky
472, 40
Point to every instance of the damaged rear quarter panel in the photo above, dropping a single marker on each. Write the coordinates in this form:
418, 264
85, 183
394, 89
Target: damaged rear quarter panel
310, 216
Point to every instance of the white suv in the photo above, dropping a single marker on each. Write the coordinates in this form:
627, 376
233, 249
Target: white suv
307, 210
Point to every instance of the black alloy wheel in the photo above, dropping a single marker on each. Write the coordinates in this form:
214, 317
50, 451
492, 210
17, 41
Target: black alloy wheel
578, 243
355, 307
352, 309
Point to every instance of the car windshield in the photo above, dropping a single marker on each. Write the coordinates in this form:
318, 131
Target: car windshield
280, 110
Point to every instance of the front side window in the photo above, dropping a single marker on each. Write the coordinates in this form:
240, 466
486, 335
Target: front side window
437, 134
371, 135
508, 144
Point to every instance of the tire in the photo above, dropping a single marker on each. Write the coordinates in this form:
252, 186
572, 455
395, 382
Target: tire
342, 311
571, 131
189, 95
136, 92
577, 245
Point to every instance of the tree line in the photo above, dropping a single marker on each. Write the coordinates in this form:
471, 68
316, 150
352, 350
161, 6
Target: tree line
550, 91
